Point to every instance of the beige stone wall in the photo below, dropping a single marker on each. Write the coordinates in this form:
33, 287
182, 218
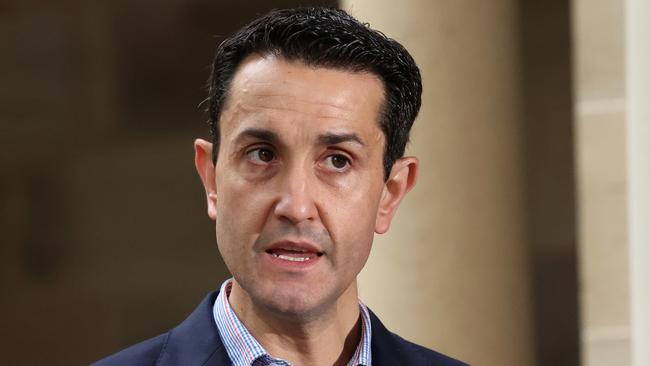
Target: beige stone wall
600, 115
452, 272
637, 54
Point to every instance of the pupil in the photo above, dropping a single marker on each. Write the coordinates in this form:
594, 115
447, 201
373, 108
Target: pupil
266, 155
338, 161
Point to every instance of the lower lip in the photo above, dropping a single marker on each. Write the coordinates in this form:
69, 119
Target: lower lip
292, 265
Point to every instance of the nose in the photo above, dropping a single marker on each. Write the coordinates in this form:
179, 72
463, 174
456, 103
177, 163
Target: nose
297, 201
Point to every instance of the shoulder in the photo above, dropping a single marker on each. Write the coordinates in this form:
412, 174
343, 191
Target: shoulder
140, 354
424, 356
195, 341
390, 349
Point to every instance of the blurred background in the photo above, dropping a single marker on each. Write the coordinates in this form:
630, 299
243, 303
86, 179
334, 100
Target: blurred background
524, 242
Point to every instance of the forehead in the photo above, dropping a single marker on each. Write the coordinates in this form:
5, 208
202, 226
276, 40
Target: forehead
273, 90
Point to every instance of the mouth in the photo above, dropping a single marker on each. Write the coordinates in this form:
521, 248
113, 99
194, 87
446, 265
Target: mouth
294, 254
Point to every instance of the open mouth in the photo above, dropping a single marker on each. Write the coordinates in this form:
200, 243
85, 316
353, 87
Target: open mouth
294, 255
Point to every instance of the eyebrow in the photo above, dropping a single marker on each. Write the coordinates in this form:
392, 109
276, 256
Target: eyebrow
334, 138
260, 134
323, 139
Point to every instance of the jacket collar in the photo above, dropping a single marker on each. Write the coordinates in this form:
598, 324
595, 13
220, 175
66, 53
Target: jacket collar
386, 350
196, 341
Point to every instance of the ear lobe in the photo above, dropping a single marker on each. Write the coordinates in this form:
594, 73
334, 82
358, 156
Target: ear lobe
402, 179
206, 170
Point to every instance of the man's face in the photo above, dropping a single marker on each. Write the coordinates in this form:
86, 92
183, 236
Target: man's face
299, 182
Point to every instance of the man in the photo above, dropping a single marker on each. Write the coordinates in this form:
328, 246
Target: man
310, 113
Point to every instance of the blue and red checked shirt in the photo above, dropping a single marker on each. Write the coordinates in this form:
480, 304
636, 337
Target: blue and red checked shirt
244, 350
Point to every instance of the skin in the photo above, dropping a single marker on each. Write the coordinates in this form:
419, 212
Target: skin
300, 161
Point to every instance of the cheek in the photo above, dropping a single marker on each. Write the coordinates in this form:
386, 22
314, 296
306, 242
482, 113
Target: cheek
358, 200
241, 214
354, 248
352, 219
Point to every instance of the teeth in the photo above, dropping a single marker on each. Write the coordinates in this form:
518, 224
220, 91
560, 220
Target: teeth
293, 259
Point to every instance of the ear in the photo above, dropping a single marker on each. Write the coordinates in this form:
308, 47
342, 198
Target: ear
205, 168
401, 180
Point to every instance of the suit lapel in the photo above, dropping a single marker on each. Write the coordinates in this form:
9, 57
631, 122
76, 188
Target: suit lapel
386, 351
196, 340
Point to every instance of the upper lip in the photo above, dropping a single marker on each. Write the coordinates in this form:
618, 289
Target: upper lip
294, 245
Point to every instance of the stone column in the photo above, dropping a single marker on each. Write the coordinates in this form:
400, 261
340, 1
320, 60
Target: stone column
638, 162
452, 273
600, 121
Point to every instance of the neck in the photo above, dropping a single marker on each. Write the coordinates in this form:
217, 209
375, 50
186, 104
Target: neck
329, 337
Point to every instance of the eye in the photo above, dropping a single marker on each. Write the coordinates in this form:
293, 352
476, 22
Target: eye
260, 155
337, 162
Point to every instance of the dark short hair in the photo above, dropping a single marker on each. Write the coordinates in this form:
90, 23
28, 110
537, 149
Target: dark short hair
330, 38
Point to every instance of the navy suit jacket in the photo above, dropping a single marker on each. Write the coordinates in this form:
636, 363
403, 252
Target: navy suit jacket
196, 341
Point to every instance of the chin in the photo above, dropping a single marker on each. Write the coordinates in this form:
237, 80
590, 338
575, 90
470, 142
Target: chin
294, 303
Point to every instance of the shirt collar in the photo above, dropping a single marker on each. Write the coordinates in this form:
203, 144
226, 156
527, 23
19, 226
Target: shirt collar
244, 350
